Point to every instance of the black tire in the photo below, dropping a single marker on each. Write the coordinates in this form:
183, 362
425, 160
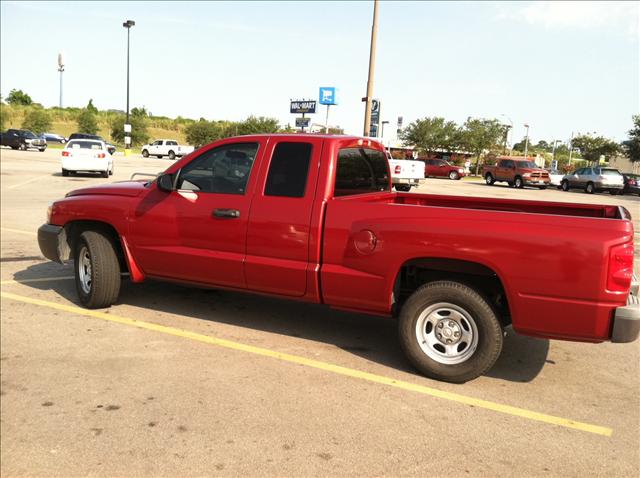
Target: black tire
489, 179
172, 155
145, 153
453, 175
403, 187
111, 171
104, 285
564, 185
518, 182
65, 172
488, 329
42, 149
22, 147
589, 188
105, 174
542, 188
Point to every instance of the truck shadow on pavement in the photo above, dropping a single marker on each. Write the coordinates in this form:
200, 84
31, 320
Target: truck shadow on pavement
370, 337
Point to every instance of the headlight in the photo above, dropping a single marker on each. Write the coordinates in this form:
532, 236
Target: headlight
526, 175
460, 170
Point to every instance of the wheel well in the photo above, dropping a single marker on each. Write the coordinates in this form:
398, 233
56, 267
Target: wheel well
481, 278
74, 229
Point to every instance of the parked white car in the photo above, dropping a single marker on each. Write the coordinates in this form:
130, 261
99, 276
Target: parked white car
165, 147
86, 155
406, 174
555, 177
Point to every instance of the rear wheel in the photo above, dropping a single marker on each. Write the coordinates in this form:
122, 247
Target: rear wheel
449, 332
97, 270
105, 173
172, 155
145, 153
453, 175
489, 179
589, 188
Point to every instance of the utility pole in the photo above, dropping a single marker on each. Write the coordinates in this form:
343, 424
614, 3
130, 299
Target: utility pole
372, 61
526, 141
570, 149
61, 70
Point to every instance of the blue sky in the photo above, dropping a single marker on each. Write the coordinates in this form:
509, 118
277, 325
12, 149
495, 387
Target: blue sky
561, 67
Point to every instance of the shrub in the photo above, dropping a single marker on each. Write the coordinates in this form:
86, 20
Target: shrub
37, 120
87, 122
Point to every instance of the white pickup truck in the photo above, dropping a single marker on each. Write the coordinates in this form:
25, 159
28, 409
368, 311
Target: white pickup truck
165, 147
405, 173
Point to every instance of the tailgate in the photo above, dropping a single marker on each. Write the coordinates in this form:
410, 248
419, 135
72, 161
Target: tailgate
402, 168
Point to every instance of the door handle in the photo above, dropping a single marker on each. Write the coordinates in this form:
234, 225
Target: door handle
229, 213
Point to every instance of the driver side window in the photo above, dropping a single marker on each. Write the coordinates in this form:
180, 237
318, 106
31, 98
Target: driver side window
222, 170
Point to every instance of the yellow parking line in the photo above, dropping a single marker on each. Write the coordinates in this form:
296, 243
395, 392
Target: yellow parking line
40, 279
8, 229
349, 372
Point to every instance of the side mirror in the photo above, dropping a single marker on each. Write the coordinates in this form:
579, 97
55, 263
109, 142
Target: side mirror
165, 182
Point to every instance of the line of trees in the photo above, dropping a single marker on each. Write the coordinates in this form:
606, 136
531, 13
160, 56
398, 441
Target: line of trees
488, 137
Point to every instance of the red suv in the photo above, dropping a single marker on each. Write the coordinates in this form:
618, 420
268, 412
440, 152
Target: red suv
440, 168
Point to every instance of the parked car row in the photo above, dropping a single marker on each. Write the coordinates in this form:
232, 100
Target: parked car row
22, 139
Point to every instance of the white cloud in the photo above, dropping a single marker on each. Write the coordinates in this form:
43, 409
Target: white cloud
621, 16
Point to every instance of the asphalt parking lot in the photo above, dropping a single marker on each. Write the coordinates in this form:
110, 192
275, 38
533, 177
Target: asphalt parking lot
174, 381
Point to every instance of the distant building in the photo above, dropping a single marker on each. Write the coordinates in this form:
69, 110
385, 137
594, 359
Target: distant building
624, 165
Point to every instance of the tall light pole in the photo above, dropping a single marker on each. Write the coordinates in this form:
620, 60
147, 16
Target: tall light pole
526, 141
506, 136
555, 145
372, 61
61, 70
127, 127
570, 150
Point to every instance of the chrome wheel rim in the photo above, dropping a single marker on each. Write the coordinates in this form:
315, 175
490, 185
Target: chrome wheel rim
447, 333
488, 179
84, 270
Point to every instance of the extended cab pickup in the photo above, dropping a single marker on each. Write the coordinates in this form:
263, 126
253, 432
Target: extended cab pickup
313, 218
166, 147
518, 172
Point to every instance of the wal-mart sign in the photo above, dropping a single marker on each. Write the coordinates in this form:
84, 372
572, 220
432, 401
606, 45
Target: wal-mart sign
328, 95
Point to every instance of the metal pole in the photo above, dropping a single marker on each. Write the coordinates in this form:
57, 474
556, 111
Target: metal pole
526, 141
570, 149
128, 32
326, 122
60, 70
372, 61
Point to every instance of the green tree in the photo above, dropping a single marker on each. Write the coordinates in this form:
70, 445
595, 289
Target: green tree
480, 135
258, 125
87, 122
4, 115
19, 97
92, 108
631, 147
203, 132
431, 134
37, 120
593, 147
139, 134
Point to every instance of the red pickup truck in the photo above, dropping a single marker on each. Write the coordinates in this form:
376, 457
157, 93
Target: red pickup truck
517, 172
313, 218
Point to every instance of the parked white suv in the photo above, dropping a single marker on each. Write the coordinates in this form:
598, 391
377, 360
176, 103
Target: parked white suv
165, 147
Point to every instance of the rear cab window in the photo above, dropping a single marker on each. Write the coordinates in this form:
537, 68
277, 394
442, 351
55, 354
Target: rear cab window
361, 171
78, 144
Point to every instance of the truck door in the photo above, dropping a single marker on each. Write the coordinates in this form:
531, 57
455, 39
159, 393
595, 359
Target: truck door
280, 219
198, 232
504, 170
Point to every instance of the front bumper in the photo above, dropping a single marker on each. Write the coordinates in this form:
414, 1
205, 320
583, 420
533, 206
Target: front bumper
536, 182
53, 243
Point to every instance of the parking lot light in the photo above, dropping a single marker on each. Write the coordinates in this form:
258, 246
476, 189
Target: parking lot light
127, 128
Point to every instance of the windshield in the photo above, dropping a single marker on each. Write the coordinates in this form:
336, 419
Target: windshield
29, 134
526, 164
76, 144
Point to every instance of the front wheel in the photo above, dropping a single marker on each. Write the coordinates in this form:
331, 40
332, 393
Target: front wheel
42, 149
518, 182
589, 188
22, 147
145, 153
97, 270
450, 332
564, 185
453, 175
